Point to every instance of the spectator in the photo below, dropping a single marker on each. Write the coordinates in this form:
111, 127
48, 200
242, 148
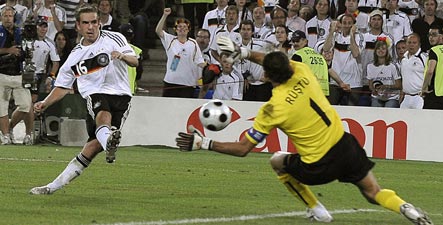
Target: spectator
104, 86
11, 60
230, 29
134, 73
412, 70
282, 37
229, 85
70, 6
294, 21
367, 56
368, 6
21, 12
243, 11
384, 79
336, 8
306, 12
261, 28
195, 11
203, 37
361, 19
317, 28
63, 47
410, 7
400, 50
422, 25
107, 22
53, 14
278, 18
347, 44
215, 18
432, 89
332, 75
183, 55
396, 23
256, 89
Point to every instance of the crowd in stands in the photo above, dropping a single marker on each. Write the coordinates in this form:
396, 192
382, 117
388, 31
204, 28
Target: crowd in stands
376, 52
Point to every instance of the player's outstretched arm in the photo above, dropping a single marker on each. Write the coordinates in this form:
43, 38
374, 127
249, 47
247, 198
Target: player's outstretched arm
196, 140
56, 94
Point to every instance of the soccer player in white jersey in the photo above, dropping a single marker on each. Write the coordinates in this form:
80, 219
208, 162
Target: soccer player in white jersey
317, 28
99, 63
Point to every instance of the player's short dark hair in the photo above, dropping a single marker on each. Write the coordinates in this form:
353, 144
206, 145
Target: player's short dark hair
86, 8
277, 67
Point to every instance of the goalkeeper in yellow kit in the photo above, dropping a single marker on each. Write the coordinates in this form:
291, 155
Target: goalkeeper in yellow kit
326, 152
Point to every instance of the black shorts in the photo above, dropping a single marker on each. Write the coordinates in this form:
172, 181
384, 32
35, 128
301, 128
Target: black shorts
117, 105
346, 161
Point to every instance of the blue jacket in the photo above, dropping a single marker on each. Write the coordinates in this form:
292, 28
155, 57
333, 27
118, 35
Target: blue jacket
4, 33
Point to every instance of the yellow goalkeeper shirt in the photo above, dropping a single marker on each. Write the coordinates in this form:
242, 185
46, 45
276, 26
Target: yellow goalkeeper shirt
299, 108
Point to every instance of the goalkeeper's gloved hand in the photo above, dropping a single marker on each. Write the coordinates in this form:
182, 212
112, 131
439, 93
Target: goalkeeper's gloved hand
193, 141
235, 52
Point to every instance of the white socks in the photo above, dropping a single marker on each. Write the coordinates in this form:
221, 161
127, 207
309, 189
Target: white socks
72, 170
102, 133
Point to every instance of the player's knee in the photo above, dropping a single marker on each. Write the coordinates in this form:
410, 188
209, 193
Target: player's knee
277, 161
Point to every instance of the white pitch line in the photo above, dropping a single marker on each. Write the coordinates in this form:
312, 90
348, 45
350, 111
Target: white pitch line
239, 218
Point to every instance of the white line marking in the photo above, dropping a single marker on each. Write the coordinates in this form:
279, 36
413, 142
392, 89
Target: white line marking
239, 218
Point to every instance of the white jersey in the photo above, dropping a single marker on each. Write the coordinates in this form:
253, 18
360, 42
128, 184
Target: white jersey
317, 30
43, 49
367, 55
46, 14
183, 58
397, 25
261, 31
410, 8
387, 75
412, 70
346, 66
21, 13
234, 35
255, 70
214, 19
296, 23
229, 86
94, 69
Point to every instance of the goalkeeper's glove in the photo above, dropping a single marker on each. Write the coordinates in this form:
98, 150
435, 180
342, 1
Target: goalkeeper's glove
193, 141
235, 52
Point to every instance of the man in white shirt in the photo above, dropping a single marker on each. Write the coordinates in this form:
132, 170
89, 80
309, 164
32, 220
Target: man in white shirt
395, 22
230, 29
294, 21
260, 26
215, 18
99, 63
317, 28
412, 71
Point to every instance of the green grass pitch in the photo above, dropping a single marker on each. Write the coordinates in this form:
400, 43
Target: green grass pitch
165, 186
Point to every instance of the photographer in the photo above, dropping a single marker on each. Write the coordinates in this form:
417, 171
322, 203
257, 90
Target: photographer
10, 76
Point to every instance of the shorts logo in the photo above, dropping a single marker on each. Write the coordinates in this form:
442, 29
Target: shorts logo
97, 104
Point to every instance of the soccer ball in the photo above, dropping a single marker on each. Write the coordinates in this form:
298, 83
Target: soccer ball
215, 115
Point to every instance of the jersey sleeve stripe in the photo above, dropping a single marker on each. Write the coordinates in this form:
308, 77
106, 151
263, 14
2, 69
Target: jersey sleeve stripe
114, 37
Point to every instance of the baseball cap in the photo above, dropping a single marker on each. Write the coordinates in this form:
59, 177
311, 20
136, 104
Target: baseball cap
127, 29
41, 21
375, 13
297, 35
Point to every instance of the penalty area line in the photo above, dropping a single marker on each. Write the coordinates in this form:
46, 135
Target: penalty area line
239, 218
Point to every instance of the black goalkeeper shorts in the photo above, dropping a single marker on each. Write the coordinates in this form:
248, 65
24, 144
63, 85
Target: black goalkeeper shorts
346, 161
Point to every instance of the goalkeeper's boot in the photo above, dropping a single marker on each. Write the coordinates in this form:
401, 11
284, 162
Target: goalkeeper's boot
112, 144
415, 215
43, 190
319, 213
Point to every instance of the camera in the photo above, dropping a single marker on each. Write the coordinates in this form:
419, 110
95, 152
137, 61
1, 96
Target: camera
29, 35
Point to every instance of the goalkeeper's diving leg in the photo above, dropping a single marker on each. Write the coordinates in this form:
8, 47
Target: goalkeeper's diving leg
72, 170
316, 210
